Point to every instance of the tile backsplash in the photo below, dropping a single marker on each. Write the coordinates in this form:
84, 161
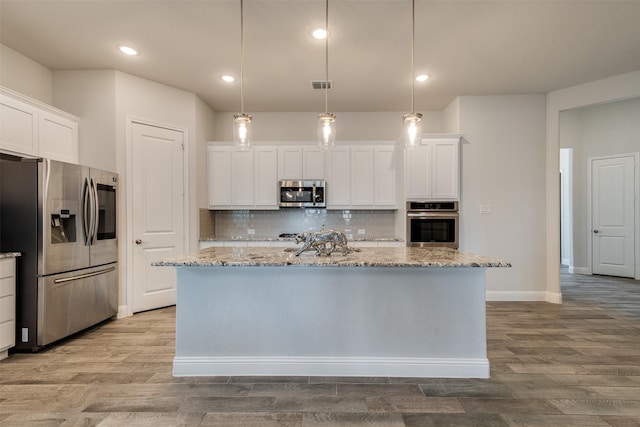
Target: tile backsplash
243, 224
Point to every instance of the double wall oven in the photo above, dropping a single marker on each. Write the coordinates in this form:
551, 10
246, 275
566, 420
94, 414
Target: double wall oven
433, 224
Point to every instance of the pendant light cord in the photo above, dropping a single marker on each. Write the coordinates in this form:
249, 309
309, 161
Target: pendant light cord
326, 57
413, 42
241, 57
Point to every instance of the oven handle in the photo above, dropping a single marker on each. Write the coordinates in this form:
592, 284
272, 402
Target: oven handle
432, 214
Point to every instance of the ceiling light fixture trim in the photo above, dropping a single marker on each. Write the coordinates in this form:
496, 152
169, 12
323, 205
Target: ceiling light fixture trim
128, 50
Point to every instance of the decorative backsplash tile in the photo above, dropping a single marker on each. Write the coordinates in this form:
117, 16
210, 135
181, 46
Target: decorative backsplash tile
242, 224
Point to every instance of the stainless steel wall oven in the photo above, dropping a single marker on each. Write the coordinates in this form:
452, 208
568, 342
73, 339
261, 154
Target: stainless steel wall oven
433, 224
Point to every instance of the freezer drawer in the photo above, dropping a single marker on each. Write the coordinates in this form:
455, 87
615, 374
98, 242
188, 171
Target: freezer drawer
73, 301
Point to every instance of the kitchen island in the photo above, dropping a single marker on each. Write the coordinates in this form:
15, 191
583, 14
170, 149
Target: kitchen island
405, 312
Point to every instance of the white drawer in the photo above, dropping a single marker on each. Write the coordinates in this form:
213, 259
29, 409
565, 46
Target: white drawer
7, 286
7, 267
7, 335
7, 309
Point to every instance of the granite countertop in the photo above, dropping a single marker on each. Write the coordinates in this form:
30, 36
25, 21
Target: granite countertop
4, 255
291, 239
366, 257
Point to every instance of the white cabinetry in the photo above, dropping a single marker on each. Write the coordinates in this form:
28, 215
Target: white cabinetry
301, 162
362, 177
432, 170
29, 127
7, 305
242, 179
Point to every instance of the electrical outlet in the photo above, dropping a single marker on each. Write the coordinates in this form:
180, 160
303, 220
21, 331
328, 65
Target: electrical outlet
361, 231
251, 231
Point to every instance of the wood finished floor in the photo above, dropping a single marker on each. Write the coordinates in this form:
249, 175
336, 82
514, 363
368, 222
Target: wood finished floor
575, 364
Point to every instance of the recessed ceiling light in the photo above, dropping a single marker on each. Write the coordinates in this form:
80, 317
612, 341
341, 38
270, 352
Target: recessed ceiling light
127, 50
422, 77
319, 33
228, 78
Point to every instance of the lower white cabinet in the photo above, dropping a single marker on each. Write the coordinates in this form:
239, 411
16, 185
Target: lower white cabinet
29, 127
7, 305
242, 179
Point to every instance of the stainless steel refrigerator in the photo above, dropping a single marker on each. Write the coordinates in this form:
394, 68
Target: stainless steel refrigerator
62, 218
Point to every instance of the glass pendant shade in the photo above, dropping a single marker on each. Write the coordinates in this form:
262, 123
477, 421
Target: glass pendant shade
326, 130
242, 135
412, 132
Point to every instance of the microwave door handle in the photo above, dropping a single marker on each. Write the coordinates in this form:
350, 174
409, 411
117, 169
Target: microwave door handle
86, 212
313, 195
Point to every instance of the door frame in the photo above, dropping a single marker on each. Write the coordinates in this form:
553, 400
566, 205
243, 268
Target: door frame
129, 238
636, 216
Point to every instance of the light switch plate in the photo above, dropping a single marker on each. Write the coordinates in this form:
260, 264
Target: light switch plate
486, 209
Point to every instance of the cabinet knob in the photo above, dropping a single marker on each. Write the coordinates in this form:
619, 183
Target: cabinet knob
596, 231
138, 242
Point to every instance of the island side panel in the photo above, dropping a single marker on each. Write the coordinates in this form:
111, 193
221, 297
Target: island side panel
331, 321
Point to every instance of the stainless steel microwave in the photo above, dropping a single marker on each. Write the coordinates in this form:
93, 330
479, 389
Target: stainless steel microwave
302, 193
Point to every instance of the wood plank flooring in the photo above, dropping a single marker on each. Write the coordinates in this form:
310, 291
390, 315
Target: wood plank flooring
575, 364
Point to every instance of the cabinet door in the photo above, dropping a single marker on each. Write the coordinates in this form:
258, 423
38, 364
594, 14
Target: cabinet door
289, 163
19, 126
362, 176
219, 173
385, 177
265, 177
446, 169
242, 179
7, 303
338, 185
313, 163
418, 172
58, 138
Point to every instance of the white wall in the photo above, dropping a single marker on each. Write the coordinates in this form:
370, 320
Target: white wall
452, 116
25, 76
303, 126
503, 161
610, 89
599, 130
90, 95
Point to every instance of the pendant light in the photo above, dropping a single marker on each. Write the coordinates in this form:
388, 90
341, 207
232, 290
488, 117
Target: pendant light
242, 134
326, 120
412, 131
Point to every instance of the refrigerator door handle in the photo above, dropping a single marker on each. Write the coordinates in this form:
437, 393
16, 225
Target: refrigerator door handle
83, 276
86, 212
94, 211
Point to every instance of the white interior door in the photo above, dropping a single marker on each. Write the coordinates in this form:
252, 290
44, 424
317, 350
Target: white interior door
612, 216
158, 211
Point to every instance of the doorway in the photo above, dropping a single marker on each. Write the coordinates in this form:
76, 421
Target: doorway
157, 207
613, 214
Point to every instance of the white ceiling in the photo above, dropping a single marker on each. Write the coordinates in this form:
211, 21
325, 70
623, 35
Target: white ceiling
472, 47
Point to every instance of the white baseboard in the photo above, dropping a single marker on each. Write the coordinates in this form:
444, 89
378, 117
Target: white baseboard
331, 366
579, 270
517, 296
123, 311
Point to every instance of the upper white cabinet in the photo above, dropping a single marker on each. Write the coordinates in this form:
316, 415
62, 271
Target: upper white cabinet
301, 162
432, 170
29, 127
242, 179
361, 177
